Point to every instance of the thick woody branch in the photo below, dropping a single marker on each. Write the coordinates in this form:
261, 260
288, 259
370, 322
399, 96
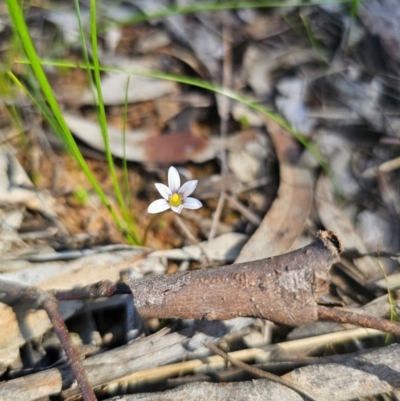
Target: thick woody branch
288, 289
285, 289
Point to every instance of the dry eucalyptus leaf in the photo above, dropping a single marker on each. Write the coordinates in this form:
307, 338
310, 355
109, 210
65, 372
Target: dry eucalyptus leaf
142, 146
286, 218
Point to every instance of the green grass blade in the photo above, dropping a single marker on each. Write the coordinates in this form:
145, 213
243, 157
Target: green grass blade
84, 47
20, 27
41, 106
354, 8
226, 5
128, 217
102, 117
124, 160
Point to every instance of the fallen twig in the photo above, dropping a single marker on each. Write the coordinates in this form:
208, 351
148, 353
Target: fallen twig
285, 289
291, 289
261, 373
353, 316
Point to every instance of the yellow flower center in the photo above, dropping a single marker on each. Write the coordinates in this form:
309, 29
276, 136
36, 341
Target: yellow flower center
175, 200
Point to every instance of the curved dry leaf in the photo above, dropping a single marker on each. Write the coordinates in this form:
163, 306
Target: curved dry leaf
285, 220
147, 147
143, 146
258, 64
140, 88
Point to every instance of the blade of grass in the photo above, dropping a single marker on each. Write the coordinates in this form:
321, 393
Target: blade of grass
128, 217
354, 4
313, 41
41, 106
21, 29
225, 5
84, 47
124, 160
103, 120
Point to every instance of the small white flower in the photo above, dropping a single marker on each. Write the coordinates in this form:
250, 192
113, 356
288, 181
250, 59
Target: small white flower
175, 196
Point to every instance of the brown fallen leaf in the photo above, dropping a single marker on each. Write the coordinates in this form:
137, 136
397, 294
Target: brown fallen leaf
285, 219
148, 147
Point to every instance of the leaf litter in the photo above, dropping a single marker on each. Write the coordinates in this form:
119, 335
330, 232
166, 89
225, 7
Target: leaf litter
333, 78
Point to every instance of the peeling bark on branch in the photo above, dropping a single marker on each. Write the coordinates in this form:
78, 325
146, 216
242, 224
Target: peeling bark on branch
285, 289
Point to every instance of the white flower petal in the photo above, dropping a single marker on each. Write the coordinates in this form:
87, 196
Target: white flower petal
158, 206
177, 209
192, 203
187, 188
164, 191
174, 182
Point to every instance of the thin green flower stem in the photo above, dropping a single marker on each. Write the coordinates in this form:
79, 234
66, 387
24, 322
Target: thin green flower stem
354, 7
228, 5
129, 219
84, 48
20, 27
51, 121
103, 119
392, 305
313, 41
124, 160
39, 104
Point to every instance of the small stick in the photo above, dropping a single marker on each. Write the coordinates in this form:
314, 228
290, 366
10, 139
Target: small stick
104, 288
342, 315
261, 373
49, 304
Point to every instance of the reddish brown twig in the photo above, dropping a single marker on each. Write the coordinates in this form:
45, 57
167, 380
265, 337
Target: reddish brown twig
49, 304
342, 315
105, 288
260, 373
